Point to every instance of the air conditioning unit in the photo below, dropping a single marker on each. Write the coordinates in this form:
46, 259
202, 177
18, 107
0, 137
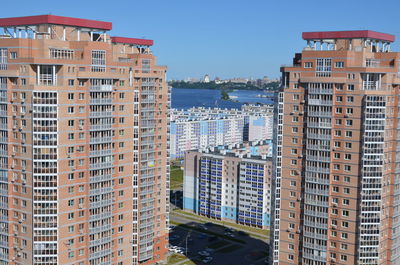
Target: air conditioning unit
80, 206
80, 127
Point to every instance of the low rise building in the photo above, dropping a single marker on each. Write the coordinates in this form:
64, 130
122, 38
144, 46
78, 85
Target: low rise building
230, 183
198, 128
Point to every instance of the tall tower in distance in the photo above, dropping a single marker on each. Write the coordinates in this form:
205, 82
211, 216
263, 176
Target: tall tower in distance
83, 147
337, 165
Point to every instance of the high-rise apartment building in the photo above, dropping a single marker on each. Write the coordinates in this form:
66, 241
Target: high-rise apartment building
337, 179
83, 146
230, 183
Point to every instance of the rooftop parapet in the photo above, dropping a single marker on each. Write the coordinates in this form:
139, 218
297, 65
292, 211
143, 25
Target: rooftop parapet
350, 34
352, 40
54, 20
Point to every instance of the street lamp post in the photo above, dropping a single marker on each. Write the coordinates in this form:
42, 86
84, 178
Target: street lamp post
188, 235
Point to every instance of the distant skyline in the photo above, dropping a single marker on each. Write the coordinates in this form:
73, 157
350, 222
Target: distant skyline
223, 38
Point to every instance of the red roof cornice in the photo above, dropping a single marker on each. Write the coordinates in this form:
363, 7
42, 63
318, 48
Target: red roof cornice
353, 34
57, 20
133, 41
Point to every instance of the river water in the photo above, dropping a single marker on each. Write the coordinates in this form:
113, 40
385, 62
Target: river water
184, 98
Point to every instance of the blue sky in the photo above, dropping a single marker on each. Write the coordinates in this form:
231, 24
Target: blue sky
225, 38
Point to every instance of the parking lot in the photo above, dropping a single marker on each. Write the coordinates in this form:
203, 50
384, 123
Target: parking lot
214, 244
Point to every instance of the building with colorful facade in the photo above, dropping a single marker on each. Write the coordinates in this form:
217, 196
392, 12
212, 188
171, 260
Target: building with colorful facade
230, 183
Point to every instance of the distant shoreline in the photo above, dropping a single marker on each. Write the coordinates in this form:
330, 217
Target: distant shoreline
273, 86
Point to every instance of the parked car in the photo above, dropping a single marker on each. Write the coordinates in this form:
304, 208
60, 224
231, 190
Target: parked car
174, 237
202, 236
207, 259
209, 224
203, 227
203, 253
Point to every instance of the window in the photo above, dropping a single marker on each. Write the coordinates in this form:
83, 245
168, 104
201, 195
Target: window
349, 134
13, 55
23, 82
70, 123
98, 61
308, 65
350, 99
293, 183
3, 58
295, 129
121, 95
347, 168
61, 54
339, 64
345, 213
70, 109
339, 98
81, 96
346, 201
71, 82
324, 67
349, 122
339, 110
346, 190
347, 156
346, 179
81, 83
344, 235
349, 111
350, 87
348, 145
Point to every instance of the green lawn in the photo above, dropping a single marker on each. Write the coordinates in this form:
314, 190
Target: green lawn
176, 177
175, 258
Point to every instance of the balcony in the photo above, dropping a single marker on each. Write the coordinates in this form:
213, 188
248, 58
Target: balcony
101, 88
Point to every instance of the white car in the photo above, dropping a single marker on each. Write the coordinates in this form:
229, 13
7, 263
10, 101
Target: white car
207, 259
203, 253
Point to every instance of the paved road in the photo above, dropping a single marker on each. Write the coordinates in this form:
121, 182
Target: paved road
248, 253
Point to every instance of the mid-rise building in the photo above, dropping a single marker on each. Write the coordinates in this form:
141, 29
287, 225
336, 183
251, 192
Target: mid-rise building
230, 183
337, 181
83, 146
198, 128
